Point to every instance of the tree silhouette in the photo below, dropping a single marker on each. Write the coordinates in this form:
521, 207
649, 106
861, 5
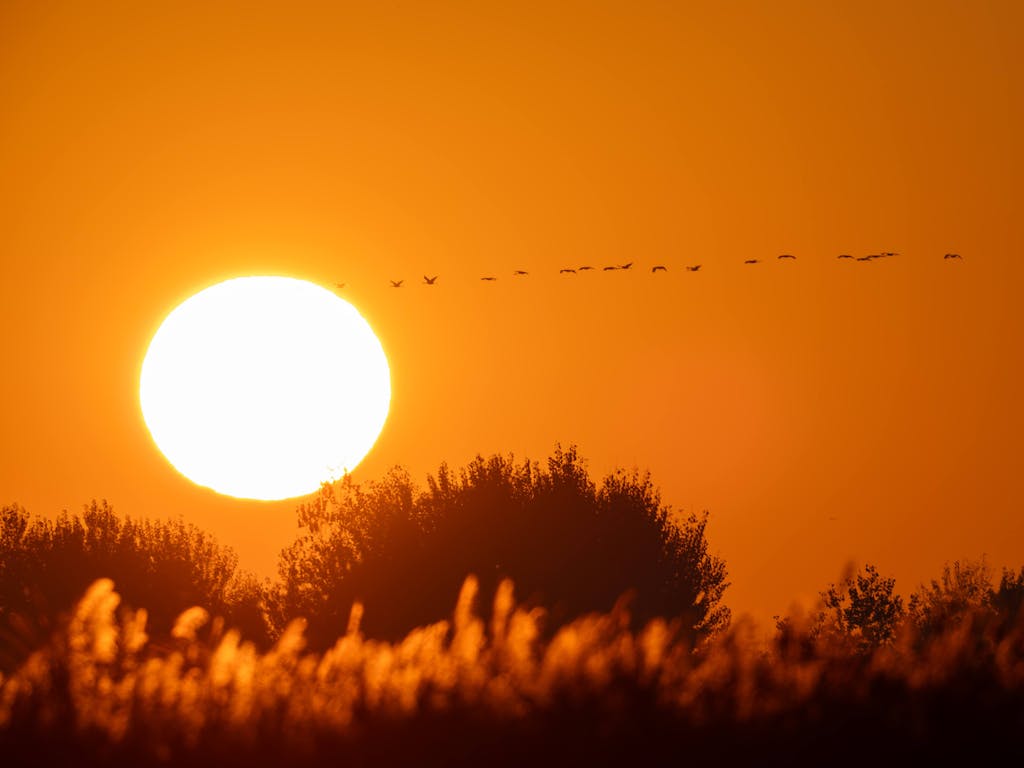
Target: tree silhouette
1008, 598
166, 567
568, 544
863, 608
965, 587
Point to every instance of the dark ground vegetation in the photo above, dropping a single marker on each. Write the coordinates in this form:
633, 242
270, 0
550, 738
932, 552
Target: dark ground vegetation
613, 646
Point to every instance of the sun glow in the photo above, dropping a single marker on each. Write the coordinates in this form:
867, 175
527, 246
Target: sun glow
264, 387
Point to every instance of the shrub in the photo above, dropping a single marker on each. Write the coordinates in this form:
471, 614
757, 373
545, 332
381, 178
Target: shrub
572, 546
166, 566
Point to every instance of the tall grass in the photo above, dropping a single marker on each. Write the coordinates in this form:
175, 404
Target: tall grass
460, 692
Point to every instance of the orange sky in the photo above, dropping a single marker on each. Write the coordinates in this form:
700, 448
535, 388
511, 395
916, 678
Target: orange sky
150, 150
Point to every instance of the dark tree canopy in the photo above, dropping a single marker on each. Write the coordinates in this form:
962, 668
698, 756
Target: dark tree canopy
165, 567
862, 608
1008, 598
964, 590
965, 587
570, 545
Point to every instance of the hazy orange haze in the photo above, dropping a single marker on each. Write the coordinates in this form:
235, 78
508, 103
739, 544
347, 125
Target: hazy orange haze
150, 150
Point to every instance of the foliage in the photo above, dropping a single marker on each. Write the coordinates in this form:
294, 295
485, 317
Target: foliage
964, 587
166, 566
862, 609
466, 691
1008, 598
572, 546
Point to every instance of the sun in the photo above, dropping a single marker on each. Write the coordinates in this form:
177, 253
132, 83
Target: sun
264, 387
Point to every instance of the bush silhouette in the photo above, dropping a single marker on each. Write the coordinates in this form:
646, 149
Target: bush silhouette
965, 587
45, 565
861, 610
1008, 598
570, 545
965, 590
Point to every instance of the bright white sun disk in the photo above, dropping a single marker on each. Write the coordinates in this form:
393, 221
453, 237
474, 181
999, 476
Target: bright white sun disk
264, 387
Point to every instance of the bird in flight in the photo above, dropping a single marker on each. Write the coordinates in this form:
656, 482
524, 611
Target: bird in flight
489, 279
397, 283
430, 280
584, 268
953, 256
626, 266
787, 256
751, 261
340, 285
844, 256
659, 268
694, 268
567, 271
890, 253
609, 269
520, 272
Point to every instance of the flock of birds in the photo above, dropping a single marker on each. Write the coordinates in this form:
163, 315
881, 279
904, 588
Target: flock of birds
427, 280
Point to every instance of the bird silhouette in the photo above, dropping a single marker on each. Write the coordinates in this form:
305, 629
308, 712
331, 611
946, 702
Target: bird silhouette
340, 285
787, 256
430, 280
953, 256
567, 271
891, 253
626, 266
694, 268
584, 268
609, 269
397, 283
489, 279
751, 261
659, 268
520, 272
844, 256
